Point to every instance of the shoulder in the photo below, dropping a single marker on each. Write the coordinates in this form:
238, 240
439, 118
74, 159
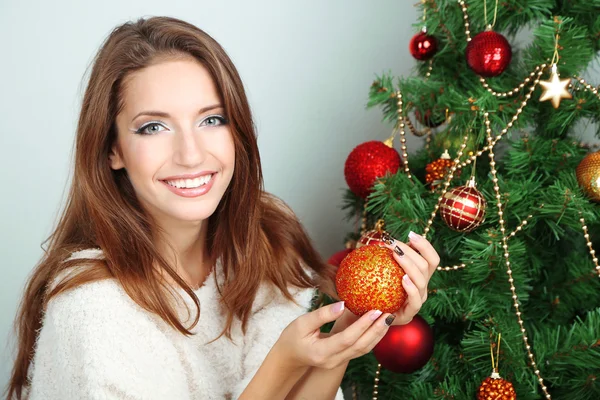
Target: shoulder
99, 301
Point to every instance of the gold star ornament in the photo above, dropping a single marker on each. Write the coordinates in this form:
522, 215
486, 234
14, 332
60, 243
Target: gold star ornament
555, 89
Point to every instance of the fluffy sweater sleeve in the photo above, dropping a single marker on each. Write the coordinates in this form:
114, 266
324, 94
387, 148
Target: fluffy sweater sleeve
273, 313
95, 344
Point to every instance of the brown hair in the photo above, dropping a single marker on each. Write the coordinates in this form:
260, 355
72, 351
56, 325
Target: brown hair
264, 242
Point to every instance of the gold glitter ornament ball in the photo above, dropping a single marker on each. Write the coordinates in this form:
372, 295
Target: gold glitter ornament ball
588, 175
496, 389
369, 278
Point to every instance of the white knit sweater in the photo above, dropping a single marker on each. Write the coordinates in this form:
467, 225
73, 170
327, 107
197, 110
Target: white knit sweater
96, 343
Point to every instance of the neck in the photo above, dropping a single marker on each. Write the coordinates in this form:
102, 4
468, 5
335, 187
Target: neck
183, 245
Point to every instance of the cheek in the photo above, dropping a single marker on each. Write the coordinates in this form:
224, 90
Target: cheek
143, 156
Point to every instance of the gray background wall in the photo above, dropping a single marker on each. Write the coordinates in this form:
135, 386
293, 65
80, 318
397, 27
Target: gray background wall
307, 67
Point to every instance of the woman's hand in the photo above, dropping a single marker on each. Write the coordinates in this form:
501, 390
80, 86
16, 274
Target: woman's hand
419, 260
305, 346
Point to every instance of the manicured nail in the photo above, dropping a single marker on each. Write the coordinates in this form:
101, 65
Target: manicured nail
375, 314
398, 251
407, 279
390, 319
338, 307
387, 239
414, 237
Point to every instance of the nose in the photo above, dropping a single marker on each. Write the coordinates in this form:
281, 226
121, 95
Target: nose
188, 149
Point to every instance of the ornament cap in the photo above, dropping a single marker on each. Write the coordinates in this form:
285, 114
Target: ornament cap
389, 142
488, 28
495, 374
445, 155
472, 182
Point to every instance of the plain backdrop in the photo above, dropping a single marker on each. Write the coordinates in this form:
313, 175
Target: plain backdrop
307, 67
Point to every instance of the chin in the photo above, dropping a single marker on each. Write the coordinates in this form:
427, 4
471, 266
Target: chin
192, 215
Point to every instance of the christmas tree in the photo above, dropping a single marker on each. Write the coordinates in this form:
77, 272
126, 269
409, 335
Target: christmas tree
506, 193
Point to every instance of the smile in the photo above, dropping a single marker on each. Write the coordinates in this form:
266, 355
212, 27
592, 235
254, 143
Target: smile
190, 183
190, 186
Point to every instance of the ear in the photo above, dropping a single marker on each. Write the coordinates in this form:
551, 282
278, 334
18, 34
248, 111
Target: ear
115, 159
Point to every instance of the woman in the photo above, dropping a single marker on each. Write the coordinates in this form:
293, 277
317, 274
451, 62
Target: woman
171, 274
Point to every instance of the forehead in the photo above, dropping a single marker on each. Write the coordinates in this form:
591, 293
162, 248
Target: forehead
172, 85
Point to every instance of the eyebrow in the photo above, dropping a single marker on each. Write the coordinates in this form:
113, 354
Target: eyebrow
162, 114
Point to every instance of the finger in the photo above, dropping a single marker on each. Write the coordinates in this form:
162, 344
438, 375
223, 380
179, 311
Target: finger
369, 338
341, 341
413, 302
419, 275
423, 246
421, 262
313, 321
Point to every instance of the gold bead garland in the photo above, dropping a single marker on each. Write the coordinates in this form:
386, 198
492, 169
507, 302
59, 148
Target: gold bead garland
512, 91
452, 268
447, 181
414, 130
587, 86
376, 382
402, 133
586, 235
488, 132
463, 6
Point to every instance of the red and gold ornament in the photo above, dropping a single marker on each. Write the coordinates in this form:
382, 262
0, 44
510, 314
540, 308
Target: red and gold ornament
369, 278
463, 208
374, 236
488, 54
405, 348
588, 175
423, 46
495, 388
436, 170
368, 162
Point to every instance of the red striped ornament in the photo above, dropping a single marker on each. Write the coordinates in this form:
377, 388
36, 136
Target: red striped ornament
463, 208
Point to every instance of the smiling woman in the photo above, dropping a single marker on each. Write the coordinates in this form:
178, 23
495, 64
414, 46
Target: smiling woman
171, 274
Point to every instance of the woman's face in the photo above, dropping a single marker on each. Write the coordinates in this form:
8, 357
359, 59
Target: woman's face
174, 140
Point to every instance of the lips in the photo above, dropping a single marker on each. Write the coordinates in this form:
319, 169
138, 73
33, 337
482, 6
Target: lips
190, 185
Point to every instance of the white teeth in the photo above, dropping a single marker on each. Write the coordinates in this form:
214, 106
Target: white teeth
190, 183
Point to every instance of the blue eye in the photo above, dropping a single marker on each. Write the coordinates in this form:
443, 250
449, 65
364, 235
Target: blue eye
150, 128
213, 120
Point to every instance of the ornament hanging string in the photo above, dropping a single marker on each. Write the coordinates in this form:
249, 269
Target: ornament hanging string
489, 27
496, 365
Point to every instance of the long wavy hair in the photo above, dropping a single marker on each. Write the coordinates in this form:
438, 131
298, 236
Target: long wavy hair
260, 241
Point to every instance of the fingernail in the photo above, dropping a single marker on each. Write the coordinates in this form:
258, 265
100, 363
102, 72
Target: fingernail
375, 314
338, 307
414, 237
388, 321
398, 251
407, 279
387, 239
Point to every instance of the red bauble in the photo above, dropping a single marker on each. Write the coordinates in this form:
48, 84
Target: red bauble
405, 348
367, 162
488, 54
369, 278
463, 208
422, 46
431, 118
337, 258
